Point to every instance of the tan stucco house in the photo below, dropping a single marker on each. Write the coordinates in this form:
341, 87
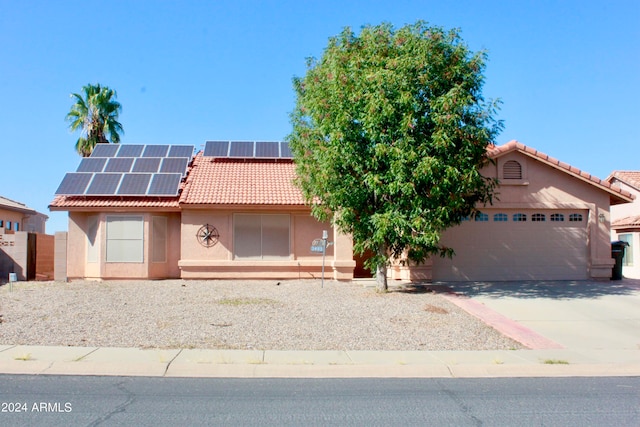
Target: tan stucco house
625, 221
25, 250
16, 216
235, 213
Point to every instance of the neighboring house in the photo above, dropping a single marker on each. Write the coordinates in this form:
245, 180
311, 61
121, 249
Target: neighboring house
625, 221
16, 216
233, 212
25, 249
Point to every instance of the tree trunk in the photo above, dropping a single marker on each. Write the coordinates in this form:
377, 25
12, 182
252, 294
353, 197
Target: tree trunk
381, 271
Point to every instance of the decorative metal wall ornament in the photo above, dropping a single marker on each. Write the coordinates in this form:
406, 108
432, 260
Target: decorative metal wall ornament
207, 235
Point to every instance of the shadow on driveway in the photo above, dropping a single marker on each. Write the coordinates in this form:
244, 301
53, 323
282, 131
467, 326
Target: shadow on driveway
540, 289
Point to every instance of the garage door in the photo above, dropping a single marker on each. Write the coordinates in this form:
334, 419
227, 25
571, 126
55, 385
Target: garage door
517, 245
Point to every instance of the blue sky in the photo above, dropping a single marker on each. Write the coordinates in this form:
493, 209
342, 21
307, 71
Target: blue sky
567, 72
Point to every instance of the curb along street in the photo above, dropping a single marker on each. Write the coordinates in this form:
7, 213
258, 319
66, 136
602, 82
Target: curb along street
315, 364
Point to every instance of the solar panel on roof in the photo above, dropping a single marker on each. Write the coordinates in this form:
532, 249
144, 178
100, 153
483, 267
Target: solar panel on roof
267, 149
134, 184
155, 151
118, 164
174, 165
105, 150
216, 149
181, 151
89, 164
285, 151
104, 184
147, 164
74, 183
248, 149
241, 149
164, 184
130, 150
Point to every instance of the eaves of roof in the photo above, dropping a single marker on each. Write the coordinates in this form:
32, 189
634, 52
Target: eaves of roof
12, 205
71, 203
629, 222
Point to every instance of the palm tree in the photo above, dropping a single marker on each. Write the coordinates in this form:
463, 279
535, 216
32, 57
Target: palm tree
95, 113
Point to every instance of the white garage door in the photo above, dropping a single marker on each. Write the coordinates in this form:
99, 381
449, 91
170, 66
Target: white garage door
517, 245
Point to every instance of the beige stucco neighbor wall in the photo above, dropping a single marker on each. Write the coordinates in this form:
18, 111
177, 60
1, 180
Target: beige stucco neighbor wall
13, 255
60, 257
28, 255
218, 262
95, 266
545, 188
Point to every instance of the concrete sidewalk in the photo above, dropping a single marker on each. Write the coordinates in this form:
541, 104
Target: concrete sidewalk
315, 364
583, 329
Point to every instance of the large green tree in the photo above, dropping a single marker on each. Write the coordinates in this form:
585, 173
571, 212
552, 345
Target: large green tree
95, 113
390, 131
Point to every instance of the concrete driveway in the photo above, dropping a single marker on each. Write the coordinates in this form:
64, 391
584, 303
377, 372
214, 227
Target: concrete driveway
581, 315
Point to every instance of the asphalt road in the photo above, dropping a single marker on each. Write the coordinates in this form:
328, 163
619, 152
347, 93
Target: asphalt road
91, 401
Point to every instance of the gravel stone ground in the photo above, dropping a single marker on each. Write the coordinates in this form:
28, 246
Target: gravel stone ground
238, 314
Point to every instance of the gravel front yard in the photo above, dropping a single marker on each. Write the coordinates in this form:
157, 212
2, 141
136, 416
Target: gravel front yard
238, 314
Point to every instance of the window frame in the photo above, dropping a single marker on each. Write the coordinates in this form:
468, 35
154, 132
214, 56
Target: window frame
519, 217
481, 217
500, 217
253, 219
136, 244
556, 217
627, 259
575, 217
538, 217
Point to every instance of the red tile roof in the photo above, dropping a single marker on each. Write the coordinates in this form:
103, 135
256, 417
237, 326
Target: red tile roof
631, 178
270, 183
628, 222
241, 182
617, 194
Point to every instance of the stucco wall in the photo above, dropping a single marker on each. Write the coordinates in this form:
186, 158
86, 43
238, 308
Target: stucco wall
547, 188
60, 257
218, 261
79, 265
11, 216
626, 209
14, 256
